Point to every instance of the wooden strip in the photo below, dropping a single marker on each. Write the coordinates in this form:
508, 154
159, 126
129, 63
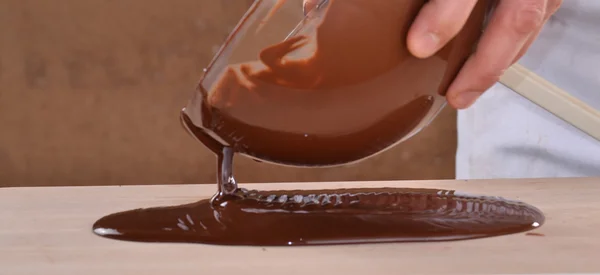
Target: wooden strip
47, 230
555, 100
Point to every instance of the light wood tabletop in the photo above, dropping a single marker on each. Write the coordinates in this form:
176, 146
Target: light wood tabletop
47, 230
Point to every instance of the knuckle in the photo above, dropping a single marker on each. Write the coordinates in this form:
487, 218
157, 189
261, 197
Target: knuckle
528, 16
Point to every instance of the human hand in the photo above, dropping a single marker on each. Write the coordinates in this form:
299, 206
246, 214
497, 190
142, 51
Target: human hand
513, 27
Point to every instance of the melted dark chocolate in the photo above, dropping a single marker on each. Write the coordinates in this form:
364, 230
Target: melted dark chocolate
359, 93
309, 149
318, 217
337, 92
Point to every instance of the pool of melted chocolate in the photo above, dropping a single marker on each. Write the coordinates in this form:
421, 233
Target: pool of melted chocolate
325, 217
236, 216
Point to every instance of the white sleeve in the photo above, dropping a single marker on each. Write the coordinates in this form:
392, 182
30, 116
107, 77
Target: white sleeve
504, 135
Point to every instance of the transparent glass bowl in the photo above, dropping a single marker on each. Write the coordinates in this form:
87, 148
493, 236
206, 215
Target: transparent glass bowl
332, 87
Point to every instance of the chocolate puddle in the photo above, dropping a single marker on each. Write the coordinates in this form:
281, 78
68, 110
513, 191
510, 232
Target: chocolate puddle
235, 216
324, 217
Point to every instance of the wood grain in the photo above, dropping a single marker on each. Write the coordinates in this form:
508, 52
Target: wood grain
47, 230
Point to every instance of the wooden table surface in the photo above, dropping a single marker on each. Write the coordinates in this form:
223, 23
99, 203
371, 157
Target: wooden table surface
47, 230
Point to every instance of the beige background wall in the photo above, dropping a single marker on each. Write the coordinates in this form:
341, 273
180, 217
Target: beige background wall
90, 93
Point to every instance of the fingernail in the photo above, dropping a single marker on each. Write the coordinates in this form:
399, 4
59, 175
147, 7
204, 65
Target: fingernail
304, 9
466, 99
428, 44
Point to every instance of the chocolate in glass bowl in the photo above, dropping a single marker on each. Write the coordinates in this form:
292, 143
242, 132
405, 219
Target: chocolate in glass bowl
336, 88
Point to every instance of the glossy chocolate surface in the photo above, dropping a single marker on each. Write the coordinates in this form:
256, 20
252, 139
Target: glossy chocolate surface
321, 217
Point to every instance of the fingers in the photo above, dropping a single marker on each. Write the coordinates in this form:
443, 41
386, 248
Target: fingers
551, 7
509, 30
513, 28
437, 23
